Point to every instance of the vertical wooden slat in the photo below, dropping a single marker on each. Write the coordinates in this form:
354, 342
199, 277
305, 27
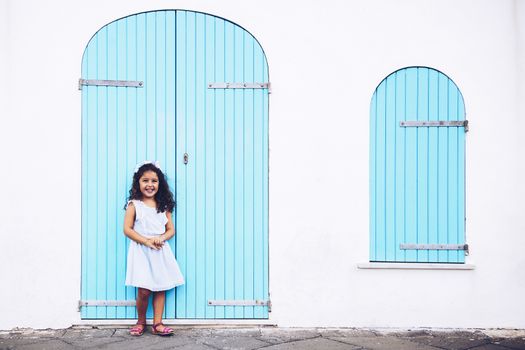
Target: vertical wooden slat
453, 173
220, 169
380, 200
460, 238
191, 167
411, 174
142, 94
229, 164
121, 166
182, 206
258, 204
248, 185
400, 180
91, 167
171, 135
265, 131
238, 159
200, 168
209, 164
132, 98
389, 179
85, 139
111, 174
259, 178
160, 89
433, 143
373, 178
443, 167
150, 116
101, 187
422, 163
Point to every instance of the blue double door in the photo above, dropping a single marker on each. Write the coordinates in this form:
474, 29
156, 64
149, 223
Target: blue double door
189, 90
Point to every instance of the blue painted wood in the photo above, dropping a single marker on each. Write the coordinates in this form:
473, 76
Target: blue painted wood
212, 225
373, 177
222, 193
219, 99
417, 175
121, 162
400, 164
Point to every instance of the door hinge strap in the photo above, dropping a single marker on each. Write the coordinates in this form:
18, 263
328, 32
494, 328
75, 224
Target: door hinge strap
240, 303
414, 246
435, 123
117, 83
105, 303
238, 85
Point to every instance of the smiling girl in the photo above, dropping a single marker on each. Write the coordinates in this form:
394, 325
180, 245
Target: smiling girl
151, 265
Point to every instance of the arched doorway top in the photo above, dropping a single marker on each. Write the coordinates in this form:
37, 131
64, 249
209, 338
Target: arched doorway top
429, 69
172, 10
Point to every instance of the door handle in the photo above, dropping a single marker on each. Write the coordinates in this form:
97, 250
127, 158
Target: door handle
185, 158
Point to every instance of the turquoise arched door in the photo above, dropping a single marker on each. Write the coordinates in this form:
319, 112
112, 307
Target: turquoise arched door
190, 90
417, 168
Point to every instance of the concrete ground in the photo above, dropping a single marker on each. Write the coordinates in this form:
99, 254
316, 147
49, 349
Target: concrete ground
262, 337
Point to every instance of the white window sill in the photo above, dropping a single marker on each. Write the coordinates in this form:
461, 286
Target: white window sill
414, 266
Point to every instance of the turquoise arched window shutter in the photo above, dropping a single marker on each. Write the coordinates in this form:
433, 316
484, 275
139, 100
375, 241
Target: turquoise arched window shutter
190, 90
417, 169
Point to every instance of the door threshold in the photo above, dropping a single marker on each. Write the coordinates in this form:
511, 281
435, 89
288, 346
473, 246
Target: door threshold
205, 323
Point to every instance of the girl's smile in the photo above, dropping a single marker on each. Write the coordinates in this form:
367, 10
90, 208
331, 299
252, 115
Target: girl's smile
149, 184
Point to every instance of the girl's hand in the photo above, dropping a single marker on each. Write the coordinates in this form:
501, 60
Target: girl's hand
150, 242
158, 241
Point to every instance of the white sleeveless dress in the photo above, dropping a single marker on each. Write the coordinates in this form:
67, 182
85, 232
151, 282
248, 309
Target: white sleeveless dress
148, 268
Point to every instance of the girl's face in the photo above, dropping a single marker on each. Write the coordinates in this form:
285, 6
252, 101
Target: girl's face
149, 184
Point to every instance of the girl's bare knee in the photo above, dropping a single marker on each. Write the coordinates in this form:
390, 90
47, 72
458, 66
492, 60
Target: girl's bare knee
144, 293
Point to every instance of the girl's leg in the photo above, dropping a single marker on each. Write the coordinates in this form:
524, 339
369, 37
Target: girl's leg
142, 304
158, 307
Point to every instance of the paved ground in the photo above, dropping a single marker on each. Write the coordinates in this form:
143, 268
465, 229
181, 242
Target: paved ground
268, 338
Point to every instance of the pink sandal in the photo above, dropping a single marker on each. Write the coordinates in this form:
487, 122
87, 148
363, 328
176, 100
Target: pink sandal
165, 331
137, 329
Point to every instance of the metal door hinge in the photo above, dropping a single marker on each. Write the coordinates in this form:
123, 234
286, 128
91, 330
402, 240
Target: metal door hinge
414, 246
435, 123
117, 83
82, 303
256, 302
239, 86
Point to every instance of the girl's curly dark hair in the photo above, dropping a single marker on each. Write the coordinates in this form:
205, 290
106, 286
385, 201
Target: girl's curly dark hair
163, 197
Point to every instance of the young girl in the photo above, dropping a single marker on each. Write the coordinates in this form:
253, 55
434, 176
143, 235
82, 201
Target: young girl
151, 265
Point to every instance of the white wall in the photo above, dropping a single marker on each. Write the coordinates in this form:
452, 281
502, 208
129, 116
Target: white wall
519, 11
4, 18
325, 61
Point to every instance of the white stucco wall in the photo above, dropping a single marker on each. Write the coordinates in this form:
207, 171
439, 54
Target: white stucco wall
325, 61
520, 43
3, 57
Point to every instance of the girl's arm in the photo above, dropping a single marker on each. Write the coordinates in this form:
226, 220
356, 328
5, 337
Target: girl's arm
129, 219
170, 228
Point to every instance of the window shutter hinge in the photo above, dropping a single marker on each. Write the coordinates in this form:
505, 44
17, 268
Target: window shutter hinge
435, 123
434, 246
